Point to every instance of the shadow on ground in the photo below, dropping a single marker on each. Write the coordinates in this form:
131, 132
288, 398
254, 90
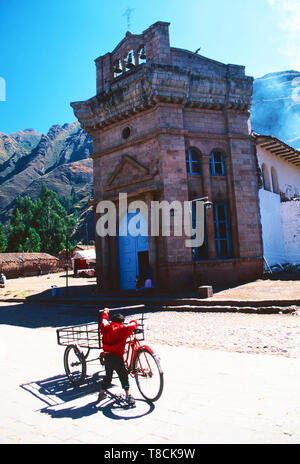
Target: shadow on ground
57, 392
36, 315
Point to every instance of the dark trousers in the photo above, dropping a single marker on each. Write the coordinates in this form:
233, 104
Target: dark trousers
115, 363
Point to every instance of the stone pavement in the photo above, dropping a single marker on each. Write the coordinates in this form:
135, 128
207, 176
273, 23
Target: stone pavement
209, 396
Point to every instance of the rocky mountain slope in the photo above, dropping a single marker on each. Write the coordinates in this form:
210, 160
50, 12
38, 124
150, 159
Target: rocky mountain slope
61, 157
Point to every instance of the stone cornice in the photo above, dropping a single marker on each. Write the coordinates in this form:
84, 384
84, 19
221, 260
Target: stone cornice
135, 192
163, 131
149, 84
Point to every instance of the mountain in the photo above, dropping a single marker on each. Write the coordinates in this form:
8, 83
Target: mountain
61, 157
276, 106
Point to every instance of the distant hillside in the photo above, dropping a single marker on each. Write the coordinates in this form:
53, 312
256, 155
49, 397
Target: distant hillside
276, 106
60, 159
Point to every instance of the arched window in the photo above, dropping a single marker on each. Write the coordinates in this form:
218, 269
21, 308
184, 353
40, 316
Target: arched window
266, 177
217, 165
275, 180
193, 161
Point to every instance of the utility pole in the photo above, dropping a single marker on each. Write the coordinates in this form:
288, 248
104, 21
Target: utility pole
67, 260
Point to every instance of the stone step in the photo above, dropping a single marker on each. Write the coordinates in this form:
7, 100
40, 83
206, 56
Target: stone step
231, 309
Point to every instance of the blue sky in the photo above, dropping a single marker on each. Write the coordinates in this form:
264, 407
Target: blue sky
48, 47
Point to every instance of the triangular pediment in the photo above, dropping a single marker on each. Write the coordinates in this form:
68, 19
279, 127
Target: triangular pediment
128, 172
129, 41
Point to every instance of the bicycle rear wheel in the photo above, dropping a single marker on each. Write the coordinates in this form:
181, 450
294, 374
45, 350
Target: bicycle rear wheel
75, 365
148, 374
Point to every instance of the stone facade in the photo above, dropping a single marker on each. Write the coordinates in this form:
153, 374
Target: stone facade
145, 123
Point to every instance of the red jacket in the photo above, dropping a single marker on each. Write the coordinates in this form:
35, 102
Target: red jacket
115, 334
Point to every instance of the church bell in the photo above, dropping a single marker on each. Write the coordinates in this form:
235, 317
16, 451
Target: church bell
117, 68
142, 54
129, 63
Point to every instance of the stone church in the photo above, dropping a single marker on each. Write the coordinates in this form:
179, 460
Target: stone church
170, 124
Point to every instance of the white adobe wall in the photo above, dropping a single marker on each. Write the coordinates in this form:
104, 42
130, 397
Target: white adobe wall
290, 213
288, 174
280, 221
272, 230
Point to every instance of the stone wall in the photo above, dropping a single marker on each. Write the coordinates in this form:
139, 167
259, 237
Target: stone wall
13, 270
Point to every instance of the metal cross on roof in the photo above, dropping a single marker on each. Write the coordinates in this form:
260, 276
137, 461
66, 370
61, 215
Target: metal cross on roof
128, 14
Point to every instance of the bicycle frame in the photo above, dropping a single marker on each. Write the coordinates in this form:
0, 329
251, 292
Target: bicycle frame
133, 345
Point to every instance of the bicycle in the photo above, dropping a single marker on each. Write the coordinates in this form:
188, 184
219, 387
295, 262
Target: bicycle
140, 360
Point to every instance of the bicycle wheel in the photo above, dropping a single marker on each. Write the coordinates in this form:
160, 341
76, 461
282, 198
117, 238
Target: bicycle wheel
75, 365
148, 374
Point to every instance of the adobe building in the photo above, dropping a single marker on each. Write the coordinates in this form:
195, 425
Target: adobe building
279, 200
170, 124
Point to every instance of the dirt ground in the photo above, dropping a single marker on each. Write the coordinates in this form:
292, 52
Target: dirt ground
275, 334
262, 290
27, 286
254, 291
270, 334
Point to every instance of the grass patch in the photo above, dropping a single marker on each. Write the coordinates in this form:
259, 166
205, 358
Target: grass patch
9, 292
17, 294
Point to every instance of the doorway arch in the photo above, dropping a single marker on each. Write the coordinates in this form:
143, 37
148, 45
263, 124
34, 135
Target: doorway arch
133, 249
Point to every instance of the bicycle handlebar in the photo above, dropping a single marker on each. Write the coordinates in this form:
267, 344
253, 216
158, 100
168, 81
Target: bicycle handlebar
138, 330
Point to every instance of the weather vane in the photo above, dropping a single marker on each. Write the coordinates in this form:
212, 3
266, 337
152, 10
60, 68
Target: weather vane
128, 14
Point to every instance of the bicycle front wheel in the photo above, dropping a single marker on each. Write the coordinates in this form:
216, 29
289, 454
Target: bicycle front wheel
148, 374
75, 365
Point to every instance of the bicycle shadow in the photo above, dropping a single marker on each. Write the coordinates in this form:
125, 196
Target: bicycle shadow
57, 391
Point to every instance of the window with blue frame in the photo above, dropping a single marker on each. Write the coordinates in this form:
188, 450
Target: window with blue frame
193, 161
222, 230
217, 165
199, 253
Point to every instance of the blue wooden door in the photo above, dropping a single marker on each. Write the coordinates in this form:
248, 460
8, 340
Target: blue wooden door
129, 246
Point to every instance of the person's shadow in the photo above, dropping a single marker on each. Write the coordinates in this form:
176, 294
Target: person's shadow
58, 391
111, 409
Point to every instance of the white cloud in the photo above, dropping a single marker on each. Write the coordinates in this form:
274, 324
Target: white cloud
288, 18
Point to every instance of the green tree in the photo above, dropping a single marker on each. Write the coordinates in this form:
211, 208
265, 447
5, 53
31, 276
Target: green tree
3, 240
33, 242
16, 235
53, 222
74, 197
41, 225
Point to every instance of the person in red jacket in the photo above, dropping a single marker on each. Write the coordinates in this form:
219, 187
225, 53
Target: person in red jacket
114, 336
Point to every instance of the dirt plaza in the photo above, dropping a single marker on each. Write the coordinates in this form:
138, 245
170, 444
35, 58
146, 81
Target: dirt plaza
260, 289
